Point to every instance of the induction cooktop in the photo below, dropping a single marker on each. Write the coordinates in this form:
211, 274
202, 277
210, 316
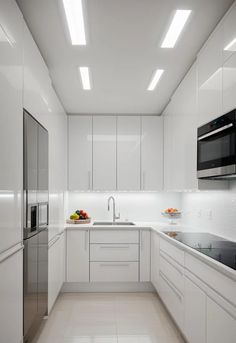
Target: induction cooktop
218, 248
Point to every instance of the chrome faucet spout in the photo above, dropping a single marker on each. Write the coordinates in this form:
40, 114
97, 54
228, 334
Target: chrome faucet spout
114, 216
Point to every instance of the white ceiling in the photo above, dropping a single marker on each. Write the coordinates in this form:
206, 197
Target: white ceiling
123, 50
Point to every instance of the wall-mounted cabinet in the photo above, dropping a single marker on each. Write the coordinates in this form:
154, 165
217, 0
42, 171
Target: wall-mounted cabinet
229, 84
152, 153
104, 153
180, 136
210, 62
80, 153
115, 153
128, 153
229, 40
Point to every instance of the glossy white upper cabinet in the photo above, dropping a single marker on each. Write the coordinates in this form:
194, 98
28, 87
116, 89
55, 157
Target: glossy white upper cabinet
104, 153
36, 80
11, 128
80, 152
210, 78
151, 153
128, 153
229, 83
180, 136
229, 42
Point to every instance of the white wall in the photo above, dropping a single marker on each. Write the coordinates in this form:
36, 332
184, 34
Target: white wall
213, 211
132, 206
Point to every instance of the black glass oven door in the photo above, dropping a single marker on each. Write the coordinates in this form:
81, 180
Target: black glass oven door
216, 150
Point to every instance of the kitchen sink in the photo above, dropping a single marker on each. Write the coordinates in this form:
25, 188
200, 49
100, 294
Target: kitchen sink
114, 224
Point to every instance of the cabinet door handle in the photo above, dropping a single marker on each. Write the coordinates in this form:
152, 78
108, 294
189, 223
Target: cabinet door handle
141, 240
113, 247
89, 180
86, 240
114, 265
143, 180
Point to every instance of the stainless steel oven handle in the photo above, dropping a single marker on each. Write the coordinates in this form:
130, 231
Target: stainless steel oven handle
215, 131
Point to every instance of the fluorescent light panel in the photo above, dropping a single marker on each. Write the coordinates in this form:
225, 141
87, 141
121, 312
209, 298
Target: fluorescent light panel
231, 46
155, 79
75, 21
84, 74
175, 29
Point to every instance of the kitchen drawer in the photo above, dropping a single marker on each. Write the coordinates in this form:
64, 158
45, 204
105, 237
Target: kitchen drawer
172, 299
114, 271
114, 236
114, 252
208, 275
172, 251
174, 273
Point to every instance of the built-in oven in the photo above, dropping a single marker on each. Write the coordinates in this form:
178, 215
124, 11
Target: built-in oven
216, 148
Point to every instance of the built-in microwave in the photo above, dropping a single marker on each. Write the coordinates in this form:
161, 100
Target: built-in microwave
216, 148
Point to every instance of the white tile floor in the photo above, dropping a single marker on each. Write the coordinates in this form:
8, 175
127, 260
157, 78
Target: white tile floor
109, 318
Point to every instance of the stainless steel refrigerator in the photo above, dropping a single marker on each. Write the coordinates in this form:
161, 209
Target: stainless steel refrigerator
36, 208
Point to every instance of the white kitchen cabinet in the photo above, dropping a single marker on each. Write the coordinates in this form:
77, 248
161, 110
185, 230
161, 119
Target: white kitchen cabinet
56, 268
180, 136
80, 153
229, 83
77, 256
210, 62
229, 41
221, 325
11, 128
145, 255
194, 312
151, 153
128, 153
114, 271
104, 153
11, 292
155, 259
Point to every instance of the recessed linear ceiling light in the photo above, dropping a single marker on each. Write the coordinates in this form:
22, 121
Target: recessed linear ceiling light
84, 74
75, 21
155, 79
175, 29
231, 46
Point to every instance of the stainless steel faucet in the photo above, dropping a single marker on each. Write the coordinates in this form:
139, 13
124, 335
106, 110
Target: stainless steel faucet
114, 209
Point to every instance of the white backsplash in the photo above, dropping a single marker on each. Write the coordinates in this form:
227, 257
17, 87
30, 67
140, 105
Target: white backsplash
132, 206
211, 211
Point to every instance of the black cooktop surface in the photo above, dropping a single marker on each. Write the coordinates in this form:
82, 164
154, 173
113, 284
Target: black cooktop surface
218, 248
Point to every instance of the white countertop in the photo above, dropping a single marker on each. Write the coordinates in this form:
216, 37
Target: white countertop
159, 227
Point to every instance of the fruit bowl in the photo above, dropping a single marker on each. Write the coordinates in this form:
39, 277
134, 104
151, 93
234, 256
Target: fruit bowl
79, 221
79, 217
171, 214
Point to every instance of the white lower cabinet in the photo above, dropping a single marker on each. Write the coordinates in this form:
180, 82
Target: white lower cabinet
155, 264
221, 325
194, 312
200, 299
11, 295
145, 255
56, 268
77, 256
114, 271
172, 298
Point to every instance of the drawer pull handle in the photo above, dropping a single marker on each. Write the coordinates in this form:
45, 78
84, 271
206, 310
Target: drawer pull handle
114, 265
172, 264
114, 247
